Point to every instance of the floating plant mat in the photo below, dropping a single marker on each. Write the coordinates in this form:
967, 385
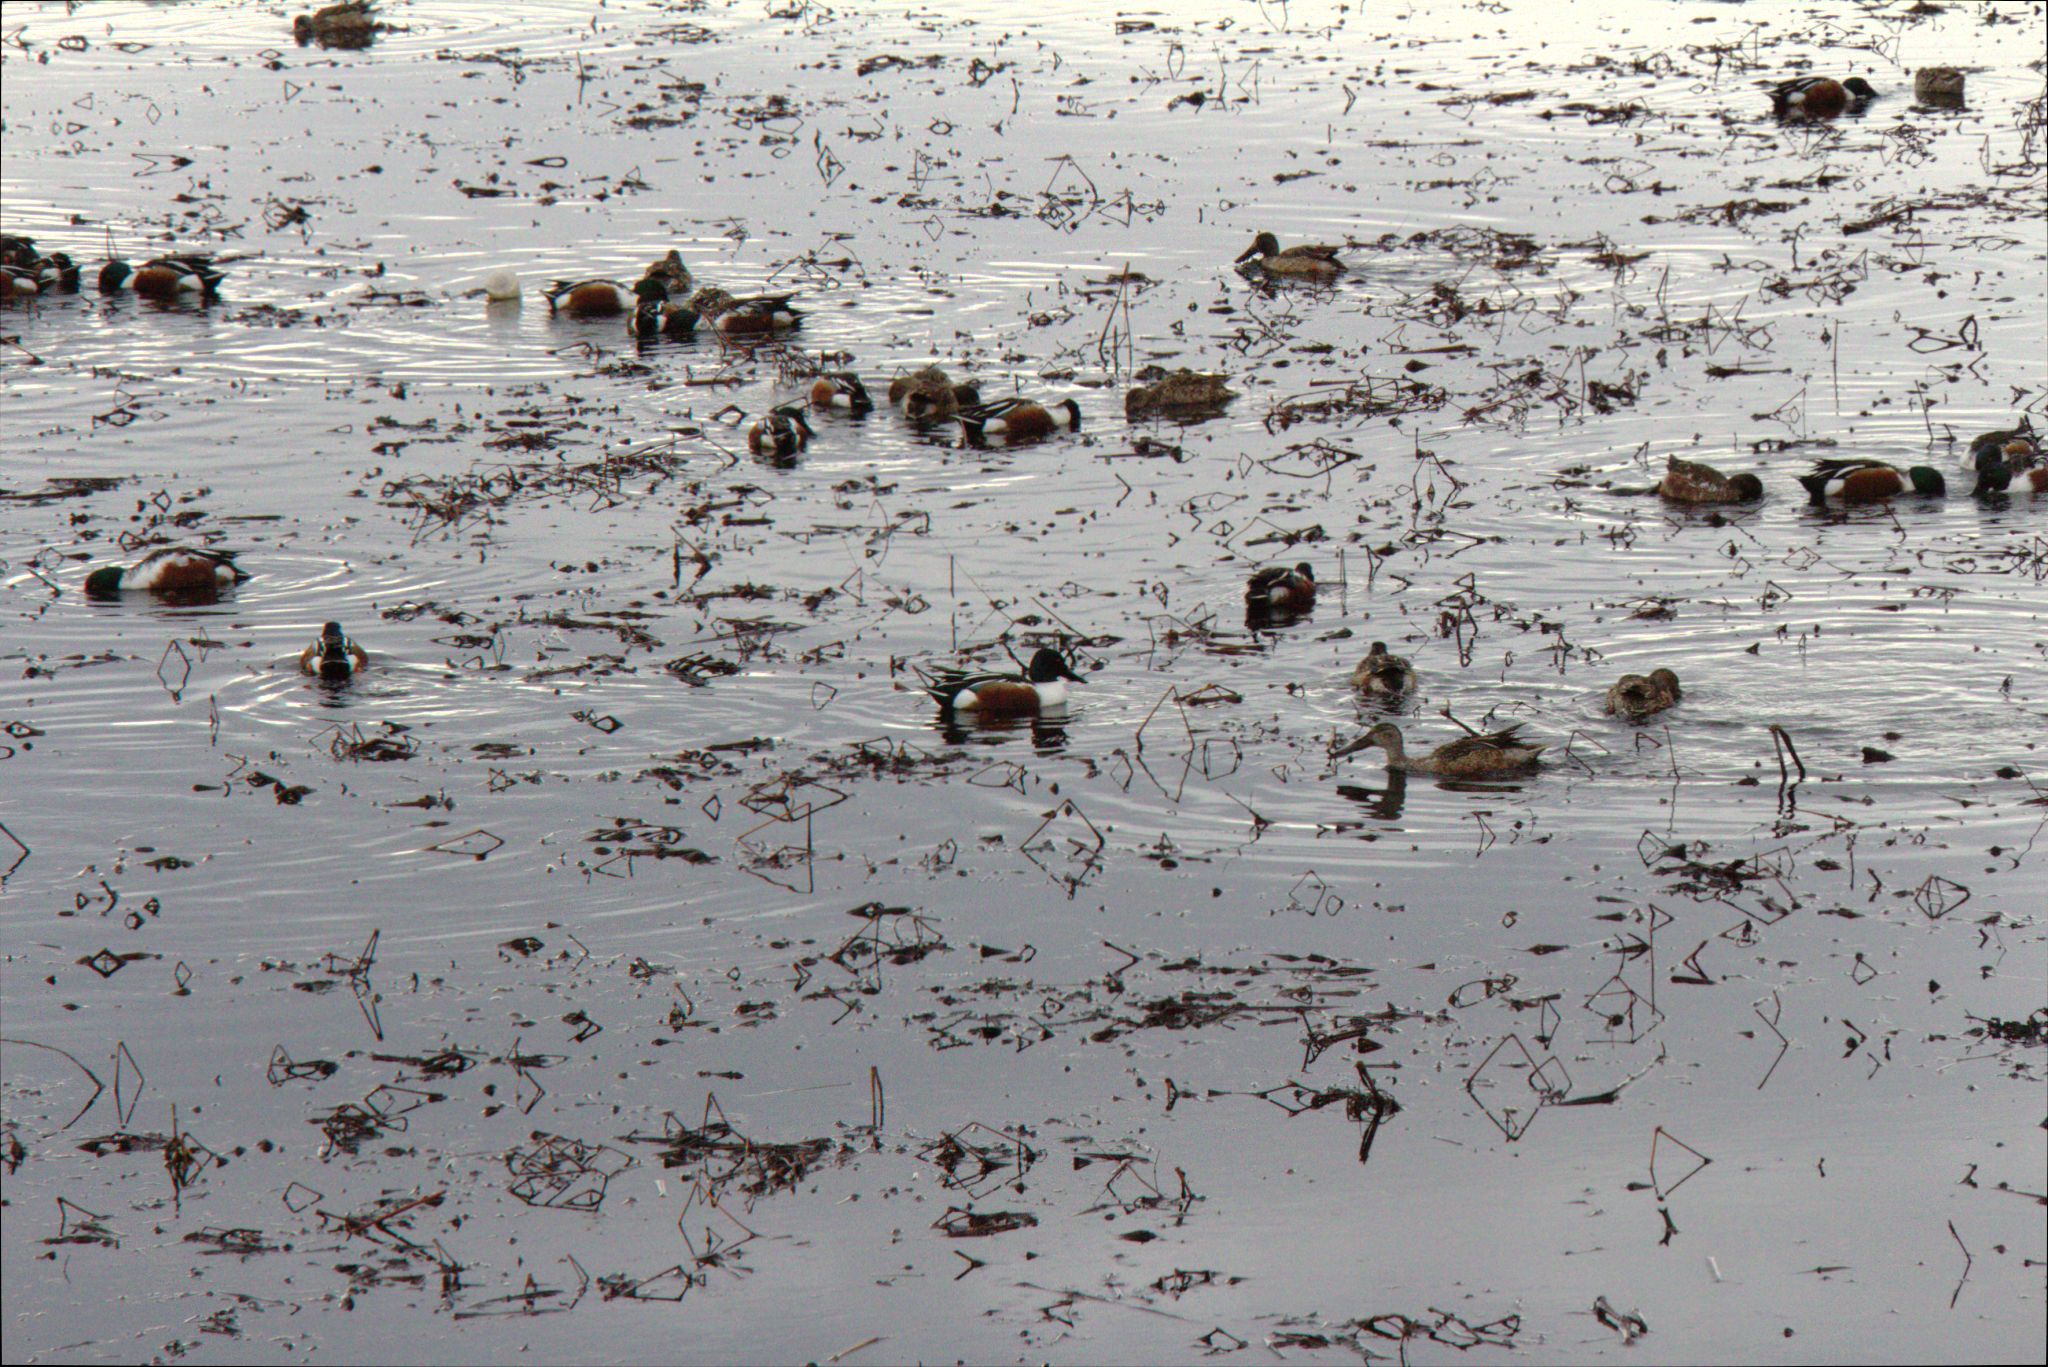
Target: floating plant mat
629, 952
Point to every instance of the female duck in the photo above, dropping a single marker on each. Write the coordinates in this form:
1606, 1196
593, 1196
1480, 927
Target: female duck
1303, 261
1379, 672
333, 655
1637, 696
1480, 756
1688, 481
1042, 687
1183, 391
929, 395
754, 315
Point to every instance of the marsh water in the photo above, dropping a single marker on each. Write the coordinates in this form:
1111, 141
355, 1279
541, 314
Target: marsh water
630, 964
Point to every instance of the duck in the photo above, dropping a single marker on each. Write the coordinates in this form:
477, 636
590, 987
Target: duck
1279, 589
672, 273
2020, 445
1688, 481
1869, 481
19, 283
333, 655
1999, 472
1015, 420
841, 389
349, 24
173, 571
18, 250
1938, 86
656, 315
593, 298
185, 277
780, 433
1182, 391
1303, 261
1819, 97
751, 315
1042, 687
1474, 756
1637, 696
1380, 672
928, 394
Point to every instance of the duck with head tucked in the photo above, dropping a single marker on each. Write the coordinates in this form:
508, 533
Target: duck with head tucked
1387, 675
190, 277
182, 572
842, 390
1637, 696
1312, 261
1015, 420
1181, 393
1474, 756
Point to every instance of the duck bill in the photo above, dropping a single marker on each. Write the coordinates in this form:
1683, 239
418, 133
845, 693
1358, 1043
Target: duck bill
1351, 748
1247, 254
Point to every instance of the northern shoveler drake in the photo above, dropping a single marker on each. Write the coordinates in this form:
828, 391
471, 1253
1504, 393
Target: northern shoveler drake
1998, 472
1688, 481
1380, 672
1015, 420
672, 273
171, 571
780, 433
1819, 97
1476, 756
1042, 687
1637, 696
1869, 481
1940, 86
929, 395
1182, 391
842, 390
349, 24
591, 298
753, 315
169, 278
19, 283
1280, 589
333, 655
1303, 261
2021, 445
17, 250
655, 315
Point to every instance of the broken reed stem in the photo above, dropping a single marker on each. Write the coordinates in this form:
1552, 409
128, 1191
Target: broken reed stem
1781, 745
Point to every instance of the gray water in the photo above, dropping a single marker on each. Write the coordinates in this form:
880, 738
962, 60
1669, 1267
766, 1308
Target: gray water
523, 879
